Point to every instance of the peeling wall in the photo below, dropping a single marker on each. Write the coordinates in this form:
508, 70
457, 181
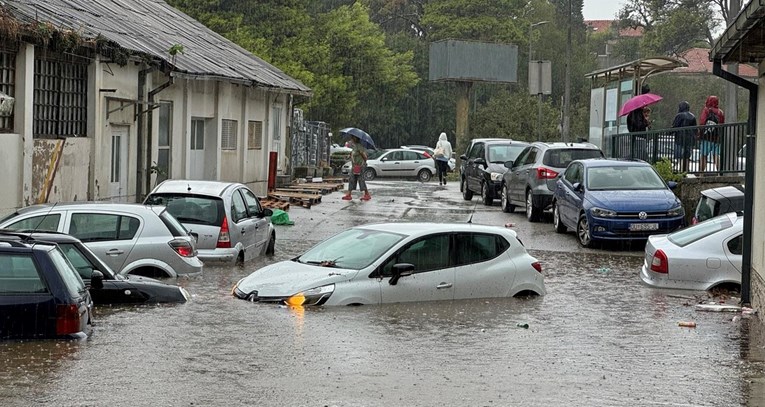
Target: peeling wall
11, 162
67, 180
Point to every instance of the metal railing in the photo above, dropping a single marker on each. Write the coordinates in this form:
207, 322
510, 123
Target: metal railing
656, 145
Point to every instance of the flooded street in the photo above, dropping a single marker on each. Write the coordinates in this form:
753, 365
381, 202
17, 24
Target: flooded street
598, 338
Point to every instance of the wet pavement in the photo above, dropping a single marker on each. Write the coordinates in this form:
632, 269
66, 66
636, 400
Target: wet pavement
598, 338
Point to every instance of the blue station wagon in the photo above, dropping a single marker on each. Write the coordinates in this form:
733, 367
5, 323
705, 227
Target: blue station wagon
614, 200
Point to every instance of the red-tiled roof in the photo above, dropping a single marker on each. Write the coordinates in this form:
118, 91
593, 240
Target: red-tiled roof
698, 62
605, 25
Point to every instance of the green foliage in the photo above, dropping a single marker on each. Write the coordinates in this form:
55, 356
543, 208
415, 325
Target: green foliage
664, 168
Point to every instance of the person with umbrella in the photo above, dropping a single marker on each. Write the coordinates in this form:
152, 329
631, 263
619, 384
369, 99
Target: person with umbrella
358, 165
637, 111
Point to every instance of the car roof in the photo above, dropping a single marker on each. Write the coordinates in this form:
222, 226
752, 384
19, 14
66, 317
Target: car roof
46, 236
196, 187
505, 141
416, 228
612, 162
477, 140
560, 144
728, 191
100, 205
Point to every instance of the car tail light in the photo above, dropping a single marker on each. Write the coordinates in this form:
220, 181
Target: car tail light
660, 263
546, 173
182, 247
537, 266
67, 319
224, 239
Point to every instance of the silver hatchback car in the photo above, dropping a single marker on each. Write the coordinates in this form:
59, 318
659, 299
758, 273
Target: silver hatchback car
227, 218
132, 238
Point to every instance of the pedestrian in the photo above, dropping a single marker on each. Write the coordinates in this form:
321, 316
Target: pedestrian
442, 153
358, 165
709, 135
636, 123
684, 139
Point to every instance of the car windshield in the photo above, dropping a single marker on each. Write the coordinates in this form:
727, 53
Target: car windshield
82, 263
707, 208
374, 154
618, 177
69, 275
561, 158
352, 249
502, 153
701, 230
186, 208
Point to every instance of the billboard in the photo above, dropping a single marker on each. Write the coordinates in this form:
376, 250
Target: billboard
473, 61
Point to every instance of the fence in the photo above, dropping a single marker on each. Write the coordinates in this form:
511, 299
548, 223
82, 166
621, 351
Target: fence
310, 142
656, 145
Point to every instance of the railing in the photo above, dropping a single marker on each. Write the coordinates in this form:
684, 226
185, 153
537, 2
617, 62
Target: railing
656, 145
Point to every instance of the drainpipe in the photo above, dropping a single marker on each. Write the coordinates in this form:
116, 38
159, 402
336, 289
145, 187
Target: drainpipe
140, 133
149, 120
746, 257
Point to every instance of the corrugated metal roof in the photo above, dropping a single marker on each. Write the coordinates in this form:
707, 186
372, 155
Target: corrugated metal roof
152, 27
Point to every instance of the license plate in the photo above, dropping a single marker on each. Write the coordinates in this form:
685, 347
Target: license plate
637, 227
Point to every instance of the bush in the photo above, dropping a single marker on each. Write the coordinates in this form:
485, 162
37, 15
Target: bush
664, 168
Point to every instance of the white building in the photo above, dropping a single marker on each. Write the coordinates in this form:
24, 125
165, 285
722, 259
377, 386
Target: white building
110, 96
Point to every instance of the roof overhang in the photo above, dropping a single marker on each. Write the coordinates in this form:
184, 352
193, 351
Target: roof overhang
743, 41
637, 69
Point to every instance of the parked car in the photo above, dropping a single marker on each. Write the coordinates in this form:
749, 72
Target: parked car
484, 167
429, 152
337, 148
397, 162
41, 294
132, 238
230, 223
716, 201
397, 262
530, 180
614, 200
114, 288
699, 257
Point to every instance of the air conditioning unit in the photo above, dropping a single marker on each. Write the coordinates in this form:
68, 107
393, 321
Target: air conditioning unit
6, 105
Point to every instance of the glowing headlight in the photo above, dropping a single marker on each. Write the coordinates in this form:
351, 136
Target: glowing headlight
602, 213
679, 211
495, 176
314, 296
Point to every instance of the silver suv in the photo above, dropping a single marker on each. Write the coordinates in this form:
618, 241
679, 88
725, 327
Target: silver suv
530, 179
132, 238
226, 217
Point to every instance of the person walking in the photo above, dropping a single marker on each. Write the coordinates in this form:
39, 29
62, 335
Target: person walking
358, 165
709, 135
442, 153
684, 139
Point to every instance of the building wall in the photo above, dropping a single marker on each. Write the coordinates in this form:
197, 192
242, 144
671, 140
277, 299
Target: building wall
758, 217
11, 162
58, 169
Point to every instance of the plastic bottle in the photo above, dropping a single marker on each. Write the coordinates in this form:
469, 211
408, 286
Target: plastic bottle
522, 325
687, 324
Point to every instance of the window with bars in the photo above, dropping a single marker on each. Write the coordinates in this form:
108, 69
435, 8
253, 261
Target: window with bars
228, 134
7, 84
60, 98
254, 135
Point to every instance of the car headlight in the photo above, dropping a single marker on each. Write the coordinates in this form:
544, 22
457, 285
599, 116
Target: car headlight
602, 213
314, 296
496, 176
678, 211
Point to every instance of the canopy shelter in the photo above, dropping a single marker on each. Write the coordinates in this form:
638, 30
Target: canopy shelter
637, 70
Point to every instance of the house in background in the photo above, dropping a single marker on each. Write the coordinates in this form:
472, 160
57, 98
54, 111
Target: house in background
611, 35
108, 98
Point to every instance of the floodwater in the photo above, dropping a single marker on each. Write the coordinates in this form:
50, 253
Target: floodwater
598, 338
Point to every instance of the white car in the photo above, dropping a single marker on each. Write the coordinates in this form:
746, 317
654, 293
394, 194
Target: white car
699, 257
400, 262
397, 162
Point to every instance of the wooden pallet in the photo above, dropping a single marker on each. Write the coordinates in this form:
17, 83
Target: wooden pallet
324, 187
305, 203
281, 193
275, 204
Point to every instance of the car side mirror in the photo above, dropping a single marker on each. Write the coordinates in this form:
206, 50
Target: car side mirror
401, 270
578, 187
463, 157
480, 161
97, 280
672, 184
266, 213
509, 164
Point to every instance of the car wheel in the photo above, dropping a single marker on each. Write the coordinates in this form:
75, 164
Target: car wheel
270, 249
532, 212
486, 195
369, 174
559, 226
424, 175
505, 202
583, 231
467, 194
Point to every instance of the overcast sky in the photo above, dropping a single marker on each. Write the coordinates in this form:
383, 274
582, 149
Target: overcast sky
601, 9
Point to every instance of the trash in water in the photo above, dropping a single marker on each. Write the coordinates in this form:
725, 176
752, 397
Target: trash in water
522, 325
604, 270
510, 225
718, 308
687, 324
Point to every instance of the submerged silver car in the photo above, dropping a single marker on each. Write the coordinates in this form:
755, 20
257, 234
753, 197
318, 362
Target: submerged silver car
400, 262
227, 218
132, 238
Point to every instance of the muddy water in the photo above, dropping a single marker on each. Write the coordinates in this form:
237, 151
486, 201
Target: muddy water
599, 338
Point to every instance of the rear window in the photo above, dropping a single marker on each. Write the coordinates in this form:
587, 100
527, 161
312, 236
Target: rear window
175, 227
192, 209
501, 153
562, 157
701, 230
69, 275
707, 208
18, 274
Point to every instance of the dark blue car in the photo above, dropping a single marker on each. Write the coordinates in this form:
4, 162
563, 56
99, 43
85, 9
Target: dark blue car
41, 294
614, 200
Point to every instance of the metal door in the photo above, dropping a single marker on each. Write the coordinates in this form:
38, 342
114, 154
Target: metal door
118, 179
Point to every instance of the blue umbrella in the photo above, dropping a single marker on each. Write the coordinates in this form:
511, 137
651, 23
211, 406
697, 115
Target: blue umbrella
366, 139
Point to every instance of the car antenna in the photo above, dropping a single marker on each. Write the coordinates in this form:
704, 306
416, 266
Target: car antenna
29, 236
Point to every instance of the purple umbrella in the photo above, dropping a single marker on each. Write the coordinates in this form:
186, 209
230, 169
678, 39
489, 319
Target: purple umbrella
366, 139
638, 102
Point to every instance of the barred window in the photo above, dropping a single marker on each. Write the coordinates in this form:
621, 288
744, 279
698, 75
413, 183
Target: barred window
228, 135
254, 135
7, 84
60, 98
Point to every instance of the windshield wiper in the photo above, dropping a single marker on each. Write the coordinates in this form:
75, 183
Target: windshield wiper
324, 263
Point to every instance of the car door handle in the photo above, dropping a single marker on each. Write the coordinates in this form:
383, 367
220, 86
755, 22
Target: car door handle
114, 252
444, 285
